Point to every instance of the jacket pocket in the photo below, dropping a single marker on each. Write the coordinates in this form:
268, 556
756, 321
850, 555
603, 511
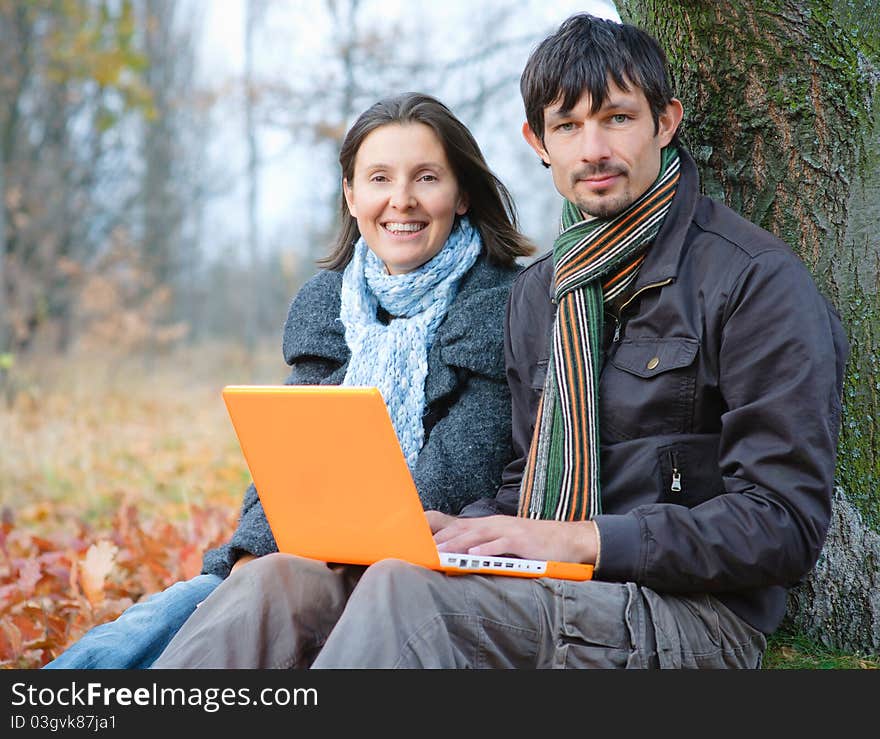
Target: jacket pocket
689, 471
647, 388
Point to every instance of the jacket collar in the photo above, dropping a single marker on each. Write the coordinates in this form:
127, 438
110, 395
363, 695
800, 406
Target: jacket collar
662, 259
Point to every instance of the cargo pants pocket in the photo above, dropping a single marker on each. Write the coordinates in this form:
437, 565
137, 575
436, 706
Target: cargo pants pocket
699, 632
604, 625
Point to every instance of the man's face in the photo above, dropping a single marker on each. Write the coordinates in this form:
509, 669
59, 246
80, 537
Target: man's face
604, 161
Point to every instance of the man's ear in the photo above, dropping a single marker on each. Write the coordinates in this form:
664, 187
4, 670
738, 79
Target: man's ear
669, 120
349, 197
532, 138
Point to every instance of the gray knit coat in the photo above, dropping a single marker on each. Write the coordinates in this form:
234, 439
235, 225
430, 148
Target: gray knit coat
467, 416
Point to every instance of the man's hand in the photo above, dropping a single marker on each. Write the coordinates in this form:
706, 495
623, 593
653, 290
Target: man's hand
564, 541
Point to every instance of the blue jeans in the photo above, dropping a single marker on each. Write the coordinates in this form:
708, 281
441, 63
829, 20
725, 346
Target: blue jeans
141, 633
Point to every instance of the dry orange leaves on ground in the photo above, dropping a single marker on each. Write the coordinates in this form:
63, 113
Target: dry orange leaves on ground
53, 589
116, 474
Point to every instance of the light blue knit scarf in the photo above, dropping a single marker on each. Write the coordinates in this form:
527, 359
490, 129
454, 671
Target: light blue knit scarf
394, 358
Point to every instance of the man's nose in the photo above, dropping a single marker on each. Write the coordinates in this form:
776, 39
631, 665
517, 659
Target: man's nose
593, 144
402, 197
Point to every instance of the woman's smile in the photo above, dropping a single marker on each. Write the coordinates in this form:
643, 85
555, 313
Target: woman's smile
404, 195
404, 230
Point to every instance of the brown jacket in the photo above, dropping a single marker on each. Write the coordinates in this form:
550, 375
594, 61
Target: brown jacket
719, 411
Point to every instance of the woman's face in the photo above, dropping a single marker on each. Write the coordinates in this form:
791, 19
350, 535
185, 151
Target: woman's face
403, 195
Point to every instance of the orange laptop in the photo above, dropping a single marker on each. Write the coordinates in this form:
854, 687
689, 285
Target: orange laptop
335, 486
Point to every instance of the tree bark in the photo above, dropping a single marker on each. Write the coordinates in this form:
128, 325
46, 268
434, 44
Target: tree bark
780, 116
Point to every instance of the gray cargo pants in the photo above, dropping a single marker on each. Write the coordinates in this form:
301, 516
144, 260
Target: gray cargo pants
274, 612
398, 615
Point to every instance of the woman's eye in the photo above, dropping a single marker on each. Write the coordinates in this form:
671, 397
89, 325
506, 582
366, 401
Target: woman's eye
378, 178
428, 178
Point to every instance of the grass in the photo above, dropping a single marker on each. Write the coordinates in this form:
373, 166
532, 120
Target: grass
84, 434
790, 651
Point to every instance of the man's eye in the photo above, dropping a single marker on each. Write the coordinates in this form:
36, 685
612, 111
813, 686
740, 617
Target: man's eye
620, 118
565, 127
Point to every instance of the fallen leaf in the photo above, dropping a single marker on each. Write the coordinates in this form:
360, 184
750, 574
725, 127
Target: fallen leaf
28, 576
94, 569
10, 640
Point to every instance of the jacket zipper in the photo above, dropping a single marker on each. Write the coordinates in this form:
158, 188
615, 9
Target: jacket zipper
676, 473
619, 317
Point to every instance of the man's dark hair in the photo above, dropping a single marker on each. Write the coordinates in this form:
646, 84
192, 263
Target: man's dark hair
583, 54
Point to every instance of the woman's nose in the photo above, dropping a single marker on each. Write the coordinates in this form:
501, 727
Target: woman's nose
402, 197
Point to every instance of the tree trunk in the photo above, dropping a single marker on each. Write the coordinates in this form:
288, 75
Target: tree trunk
252, 13
779, 113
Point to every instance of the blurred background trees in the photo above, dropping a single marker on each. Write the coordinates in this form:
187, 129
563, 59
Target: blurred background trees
96, 162
154, 194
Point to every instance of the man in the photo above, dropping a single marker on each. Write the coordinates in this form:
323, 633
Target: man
676, 382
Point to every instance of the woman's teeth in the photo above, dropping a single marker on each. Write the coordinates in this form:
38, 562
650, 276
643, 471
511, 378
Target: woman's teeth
404, 227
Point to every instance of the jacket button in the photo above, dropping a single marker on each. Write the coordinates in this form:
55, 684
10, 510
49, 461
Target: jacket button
653, 362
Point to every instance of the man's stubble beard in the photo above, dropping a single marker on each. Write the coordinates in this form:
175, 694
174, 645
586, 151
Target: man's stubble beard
605, 210
608, 209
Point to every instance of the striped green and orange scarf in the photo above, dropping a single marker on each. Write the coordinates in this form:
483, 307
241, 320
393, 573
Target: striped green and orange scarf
595, 260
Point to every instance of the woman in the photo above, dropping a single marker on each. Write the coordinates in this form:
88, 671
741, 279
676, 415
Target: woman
412, 301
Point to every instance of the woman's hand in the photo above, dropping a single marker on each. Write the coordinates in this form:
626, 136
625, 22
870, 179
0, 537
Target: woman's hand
242, 560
